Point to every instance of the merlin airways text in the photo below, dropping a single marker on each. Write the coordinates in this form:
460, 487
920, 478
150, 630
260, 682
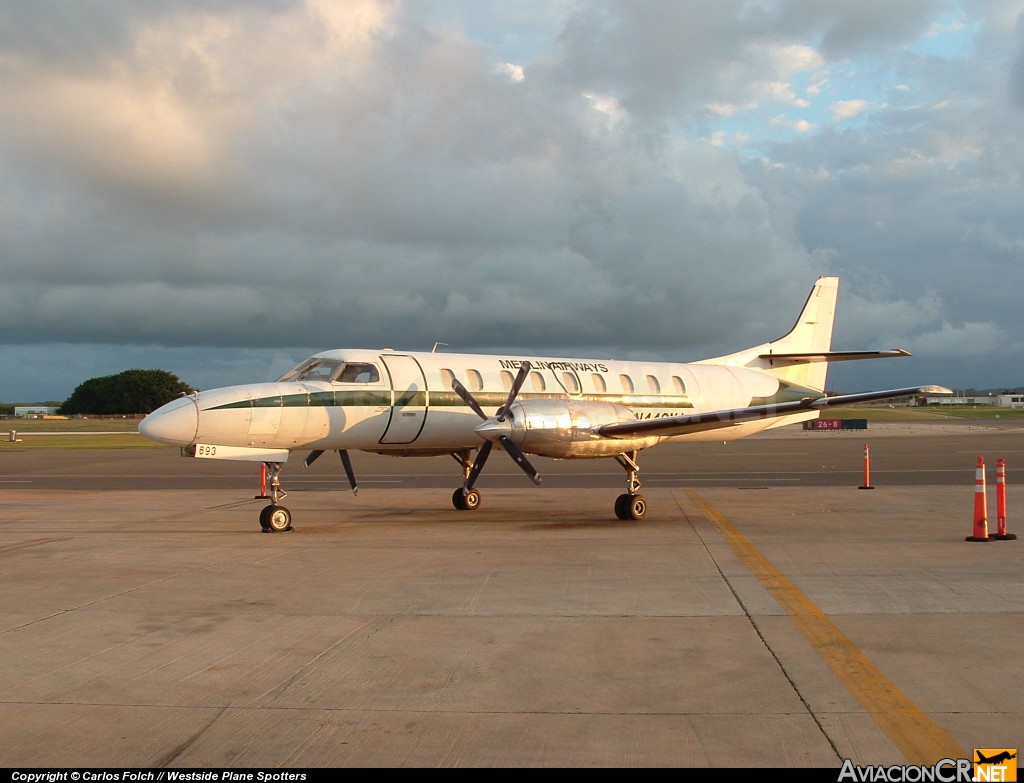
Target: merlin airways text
515, 364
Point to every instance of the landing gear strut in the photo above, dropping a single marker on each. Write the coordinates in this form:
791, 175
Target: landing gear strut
275, 518
463, 499
630, 505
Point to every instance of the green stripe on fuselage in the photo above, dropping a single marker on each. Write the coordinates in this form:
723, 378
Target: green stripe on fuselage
362, 398
411, 398
376, 398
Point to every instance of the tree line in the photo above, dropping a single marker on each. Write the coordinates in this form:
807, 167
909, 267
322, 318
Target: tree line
129, 392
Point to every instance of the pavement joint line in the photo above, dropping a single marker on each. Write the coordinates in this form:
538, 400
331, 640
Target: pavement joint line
920, 739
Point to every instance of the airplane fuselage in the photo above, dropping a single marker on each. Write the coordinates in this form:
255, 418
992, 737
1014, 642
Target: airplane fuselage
403, 403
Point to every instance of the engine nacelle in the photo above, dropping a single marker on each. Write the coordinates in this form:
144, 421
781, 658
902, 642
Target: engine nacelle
568, 428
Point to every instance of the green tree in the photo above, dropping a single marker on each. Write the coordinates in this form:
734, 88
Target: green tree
129, 392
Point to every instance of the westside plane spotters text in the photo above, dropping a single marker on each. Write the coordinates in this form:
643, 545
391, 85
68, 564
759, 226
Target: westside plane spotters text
428, 404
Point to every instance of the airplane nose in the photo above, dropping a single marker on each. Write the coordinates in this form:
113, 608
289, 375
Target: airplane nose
175, 423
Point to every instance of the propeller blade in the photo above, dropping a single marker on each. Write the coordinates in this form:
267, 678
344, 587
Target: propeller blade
467, 398
520, 458
517, 384
347, 464
485, 449
478, 465
313, 457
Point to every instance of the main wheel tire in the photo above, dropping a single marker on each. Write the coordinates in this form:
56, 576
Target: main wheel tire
622, 507
637, 507
459, 500
277, 519
466, 501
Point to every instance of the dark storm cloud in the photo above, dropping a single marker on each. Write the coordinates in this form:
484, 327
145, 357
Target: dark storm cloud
196, 176
855, 29
1016, 81
58, 34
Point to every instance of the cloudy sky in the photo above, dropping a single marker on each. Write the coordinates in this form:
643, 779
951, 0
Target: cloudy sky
221, 188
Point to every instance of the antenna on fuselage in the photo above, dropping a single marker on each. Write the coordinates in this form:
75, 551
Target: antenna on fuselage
434, 350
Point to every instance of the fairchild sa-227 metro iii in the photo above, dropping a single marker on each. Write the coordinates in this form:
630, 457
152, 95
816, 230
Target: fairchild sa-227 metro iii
429, 404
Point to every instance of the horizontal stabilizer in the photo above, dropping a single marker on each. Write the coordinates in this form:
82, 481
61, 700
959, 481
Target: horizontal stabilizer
670, 426
832, 356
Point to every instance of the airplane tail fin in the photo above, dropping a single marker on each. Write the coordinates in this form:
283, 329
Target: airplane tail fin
801, 357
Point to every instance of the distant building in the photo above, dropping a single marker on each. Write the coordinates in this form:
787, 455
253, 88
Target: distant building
34, 411
995, 400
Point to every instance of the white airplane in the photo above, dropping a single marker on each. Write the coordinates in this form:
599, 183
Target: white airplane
428, 404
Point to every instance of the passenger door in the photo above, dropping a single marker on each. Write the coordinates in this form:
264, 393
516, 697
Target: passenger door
409, 399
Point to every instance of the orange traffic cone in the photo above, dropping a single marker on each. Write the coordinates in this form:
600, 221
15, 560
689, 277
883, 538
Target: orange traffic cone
867, 469
980, 505
1001, 534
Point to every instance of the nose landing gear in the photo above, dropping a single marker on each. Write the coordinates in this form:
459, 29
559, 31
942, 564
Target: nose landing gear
275, 518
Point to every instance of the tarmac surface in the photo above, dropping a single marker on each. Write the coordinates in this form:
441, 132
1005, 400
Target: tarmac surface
766, 613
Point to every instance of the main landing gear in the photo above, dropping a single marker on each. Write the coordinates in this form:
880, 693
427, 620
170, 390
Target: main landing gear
462, 498
275, 518
466, 501
630, 505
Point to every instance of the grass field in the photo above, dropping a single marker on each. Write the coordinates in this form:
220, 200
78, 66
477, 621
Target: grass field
75, 434
84, 440
933, 413
123, 433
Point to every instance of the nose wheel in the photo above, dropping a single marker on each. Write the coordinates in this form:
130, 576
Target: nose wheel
275, 518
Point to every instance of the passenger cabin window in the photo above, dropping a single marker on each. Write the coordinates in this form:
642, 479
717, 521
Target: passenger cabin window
359, 372
538, 381
447, 377
627, 383
652, 384
506, 380
599, 385
571, 384
476, 380
678, 385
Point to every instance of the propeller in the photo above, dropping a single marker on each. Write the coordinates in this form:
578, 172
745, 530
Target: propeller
345, 461
502, 413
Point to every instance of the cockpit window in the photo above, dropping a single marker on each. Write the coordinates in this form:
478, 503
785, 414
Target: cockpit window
359, 372
313, 369
317, 368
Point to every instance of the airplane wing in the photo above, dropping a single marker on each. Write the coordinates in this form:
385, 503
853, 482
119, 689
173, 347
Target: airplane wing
699, 422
